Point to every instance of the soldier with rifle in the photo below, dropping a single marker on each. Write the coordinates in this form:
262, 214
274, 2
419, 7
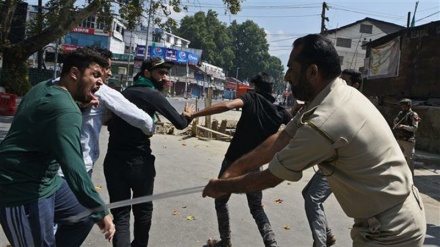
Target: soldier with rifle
405, 127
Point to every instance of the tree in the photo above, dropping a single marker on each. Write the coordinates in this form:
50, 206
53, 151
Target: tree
275, 68
207, 33
62, 16
251, 49
239, 48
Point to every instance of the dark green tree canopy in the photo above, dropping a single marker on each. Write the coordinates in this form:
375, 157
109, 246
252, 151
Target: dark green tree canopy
241, 48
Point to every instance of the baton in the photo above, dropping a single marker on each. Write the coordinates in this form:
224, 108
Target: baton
134, 201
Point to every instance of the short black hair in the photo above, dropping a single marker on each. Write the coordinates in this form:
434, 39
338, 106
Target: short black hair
319, 50
355, 75
263, 81
106, 53
82, 58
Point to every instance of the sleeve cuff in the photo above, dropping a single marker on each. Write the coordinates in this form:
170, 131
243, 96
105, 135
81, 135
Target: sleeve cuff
277, 169
99, 216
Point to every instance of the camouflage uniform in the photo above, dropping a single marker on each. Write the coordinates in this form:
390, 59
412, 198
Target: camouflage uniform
409, 122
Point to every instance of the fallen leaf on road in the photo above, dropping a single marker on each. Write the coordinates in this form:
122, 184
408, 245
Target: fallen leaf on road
286, 227
190, 217
175, 212
184, 206
183, 144
279, 201
289, 183
98, 187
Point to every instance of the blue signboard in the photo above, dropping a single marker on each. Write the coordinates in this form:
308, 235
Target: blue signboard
181, 57
177, 56
140, 51
155, 51
193, 58
171, 55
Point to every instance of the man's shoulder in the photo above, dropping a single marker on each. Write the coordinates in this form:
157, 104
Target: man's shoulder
413, 113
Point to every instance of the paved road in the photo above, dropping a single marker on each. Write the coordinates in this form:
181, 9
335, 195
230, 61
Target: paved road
188, 221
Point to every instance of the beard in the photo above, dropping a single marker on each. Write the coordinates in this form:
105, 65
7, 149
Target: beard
84, 94
158, 84
302, 90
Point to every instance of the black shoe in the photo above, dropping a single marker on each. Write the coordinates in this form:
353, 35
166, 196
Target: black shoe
218, 243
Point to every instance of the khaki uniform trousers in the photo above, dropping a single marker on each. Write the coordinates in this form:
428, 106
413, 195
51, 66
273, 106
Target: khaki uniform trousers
408, 149
403, 225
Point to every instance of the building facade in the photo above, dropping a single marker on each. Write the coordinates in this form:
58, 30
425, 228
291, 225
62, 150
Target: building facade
349, 40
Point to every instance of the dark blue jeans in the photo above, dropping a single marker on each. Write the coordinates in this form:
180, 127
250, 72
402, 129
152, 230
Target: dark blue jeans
129, 176
32, 224
256, 208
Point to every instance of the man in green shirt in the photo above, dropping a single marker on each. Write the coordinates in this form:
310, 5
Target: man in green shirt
45, 135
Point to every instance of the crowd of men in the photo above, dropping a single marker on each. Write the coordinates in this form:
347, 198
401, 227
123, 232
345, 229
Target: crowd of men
337, 130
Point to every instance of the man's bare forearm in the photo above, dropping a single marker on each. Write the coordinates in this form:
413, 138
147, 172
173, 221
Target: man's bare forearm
251, 182
261, 155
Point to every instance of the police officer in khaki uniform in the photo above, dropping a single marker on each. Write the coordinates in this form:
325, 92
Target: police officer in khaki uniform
349, 140
405, 127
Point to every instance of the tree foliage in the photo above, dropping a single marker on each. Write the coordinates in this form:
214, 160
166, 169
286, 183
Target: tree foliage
250, 48
207, 33
240, 49
60, 16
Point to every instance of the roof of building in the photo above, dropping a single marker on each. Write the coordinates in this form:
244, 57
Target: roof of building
391, 36
386, 27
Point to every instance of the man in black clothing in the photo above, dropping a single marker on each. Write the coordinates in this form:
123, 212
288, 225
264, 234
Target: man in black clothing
260, 118
129, 163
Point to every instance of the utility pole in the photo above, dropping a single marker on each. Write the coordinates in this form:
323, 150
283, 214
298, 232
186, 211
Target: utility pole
323, 17
236, 74
148, 29
39, 29
205, 79
185, 94
129, 55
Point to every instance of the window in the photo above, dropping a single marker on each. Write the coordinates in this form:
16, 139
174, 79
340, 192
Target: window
101, 25
342, 42
366, 29
341, 59
89, 22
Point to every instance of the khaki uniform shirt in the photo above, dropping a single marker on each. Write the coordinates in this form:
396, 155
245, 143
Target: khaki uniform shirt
369, 174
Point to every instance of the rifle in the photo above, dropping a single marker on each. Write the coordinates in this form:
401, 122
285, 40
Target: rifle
394, 127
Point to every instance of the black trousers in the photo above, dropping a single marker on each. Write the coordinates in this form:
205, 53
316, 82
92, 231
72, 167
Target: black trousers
130, 175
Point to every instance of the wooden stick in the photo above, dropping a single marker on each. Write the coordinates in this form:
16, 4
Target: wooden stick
213, 131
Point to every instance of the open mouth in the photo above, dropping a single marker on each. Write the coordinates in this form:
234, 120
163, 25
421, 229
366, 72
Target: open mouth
94, 89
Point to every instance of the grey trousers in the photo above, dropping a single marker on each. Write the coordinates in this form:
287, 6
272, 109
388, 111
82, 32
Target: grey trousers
315, 193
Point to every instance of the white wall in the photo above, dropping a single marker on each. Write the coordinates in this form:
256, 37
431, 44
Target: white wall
355, 55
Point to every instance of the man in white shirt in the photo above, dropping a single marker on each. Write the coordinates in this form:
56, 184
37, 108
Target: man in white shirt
93, 116
106, 99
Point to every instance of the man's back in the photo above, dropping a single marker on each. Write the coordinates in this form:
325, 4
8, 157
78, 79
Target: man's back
28, 150
260, 118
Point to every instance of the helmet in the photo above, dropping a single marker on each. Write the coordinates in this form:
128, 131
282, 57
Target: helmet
406, 102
